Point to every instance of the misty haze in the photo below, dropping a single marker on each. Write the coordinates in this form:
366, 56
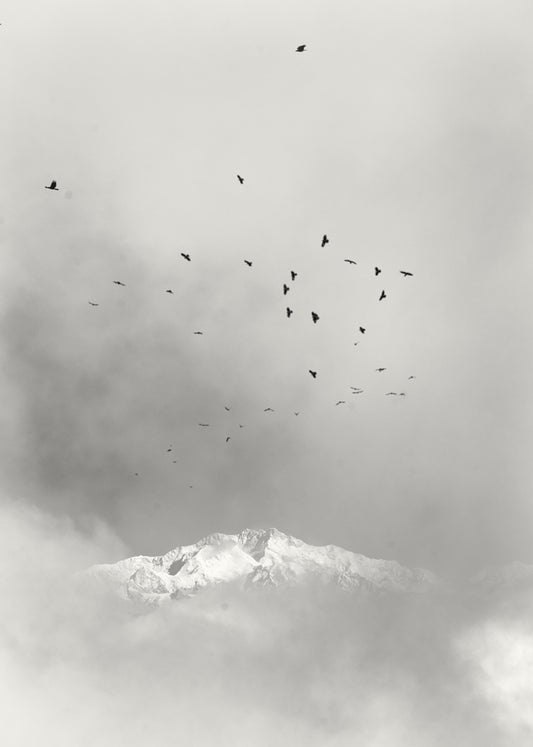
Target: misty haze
266, 358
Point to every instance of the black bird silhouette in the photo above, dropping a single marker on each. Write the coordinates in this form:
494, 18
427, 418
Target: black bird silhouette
227, 408
174, 461
402, 394
313, 373
117, 282
383, 295
325, 240
376, 270
240, 179
241, 426
186, 256
289, 312
91, 303
286, 289
227, 438
380, 369
293, 275
406, 274
53, 185
358, 391
296, 413
340, 402
247, 262
197, 333
350, 261
301, 48
268, 409
315, 317
362, 330
411, 377
356, 343
169, 291
389, 394
204, 425
169, 450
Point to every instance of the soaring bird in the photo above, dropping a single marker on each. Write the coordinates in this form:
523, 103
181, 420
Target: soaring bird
296, 413
406, 274
340, 402
362, 330
350, 261
169, 291
358, 391
289, 312
204, 425
286, 289
227, 438
91, 303
325, 240
117, 282
315, 317
402, 394
293, 275
376, 270
380, 369
411, 377
247, 262
197, 333
227, 408
383, 295
240, 179
301, 48
169, 449
53, 185
268, 409
389, 394
186, 256
313, 373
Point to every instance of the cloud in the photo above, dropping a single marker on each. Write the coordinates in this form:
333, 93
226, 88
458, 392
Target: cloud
310, 666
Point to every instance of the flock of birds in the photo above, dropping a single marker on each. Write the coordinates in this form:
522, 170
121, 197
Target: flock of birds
289, 312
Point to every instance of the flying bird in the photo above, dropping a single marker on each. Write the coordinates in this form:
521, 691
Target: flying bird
227, 408
240, 179
53, 185
204, 425
380, 369
227, 438
315, 317
247, 262
340, 402
376, 270
406, 274
186, 256
362, 330
301, 48
169, 291
411, 377
117, 282
293, 275
350, 261
325, 240
91, 303
402, 394
356, 343
289, 312
268, 409
296, 413
286, 289
313, 373
383, 295
169, 450
197, 333
389, 394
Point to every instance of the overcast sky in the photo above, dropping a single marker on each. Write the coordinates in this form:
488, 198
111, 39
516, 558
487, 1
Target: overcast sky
404, 133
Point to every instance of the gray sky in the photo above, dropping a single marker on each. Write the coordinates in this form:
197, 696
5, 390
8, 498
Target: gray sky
404, 133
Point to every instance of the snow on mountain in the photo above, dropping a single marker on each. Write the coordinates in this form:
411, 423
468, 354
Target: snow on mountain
264, 557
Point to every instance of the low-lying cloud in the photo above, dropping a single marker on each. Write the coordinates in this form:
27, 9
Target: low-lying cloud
309, 667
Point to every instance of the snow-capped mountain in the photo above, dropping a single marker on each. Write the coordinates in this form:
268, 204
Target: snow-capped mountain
263, 557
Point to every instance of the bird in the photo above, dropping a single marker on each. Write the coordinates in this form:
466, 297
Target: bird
313, 373
340, 402
53, 185
379, 370
289, 312
227, 438
406, 274
383, 295
315, 317
350, 261
358, 391
362, 330
301, 48
389, 393
136, 474
186, 256
197, 333
402, 394
325, 240
247, 262
293, 275
227, 408
268, 409
376, 271
169, 449
169, 291
204, 425
241, 426
286, 289
356, 343
411, 377
296, 413
117, 282
91, 303
241, 180
174, 461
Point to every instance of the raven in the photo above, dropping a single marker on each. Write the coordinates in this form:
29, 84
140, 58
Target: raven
383, 295
315, 317
241, 180
376, 270
406, 274
313, 373
53, 185
186, 256
325, 240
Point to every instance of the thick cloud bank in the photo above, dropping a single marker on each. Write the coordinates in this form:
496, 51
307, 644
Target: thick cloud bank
301, 668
